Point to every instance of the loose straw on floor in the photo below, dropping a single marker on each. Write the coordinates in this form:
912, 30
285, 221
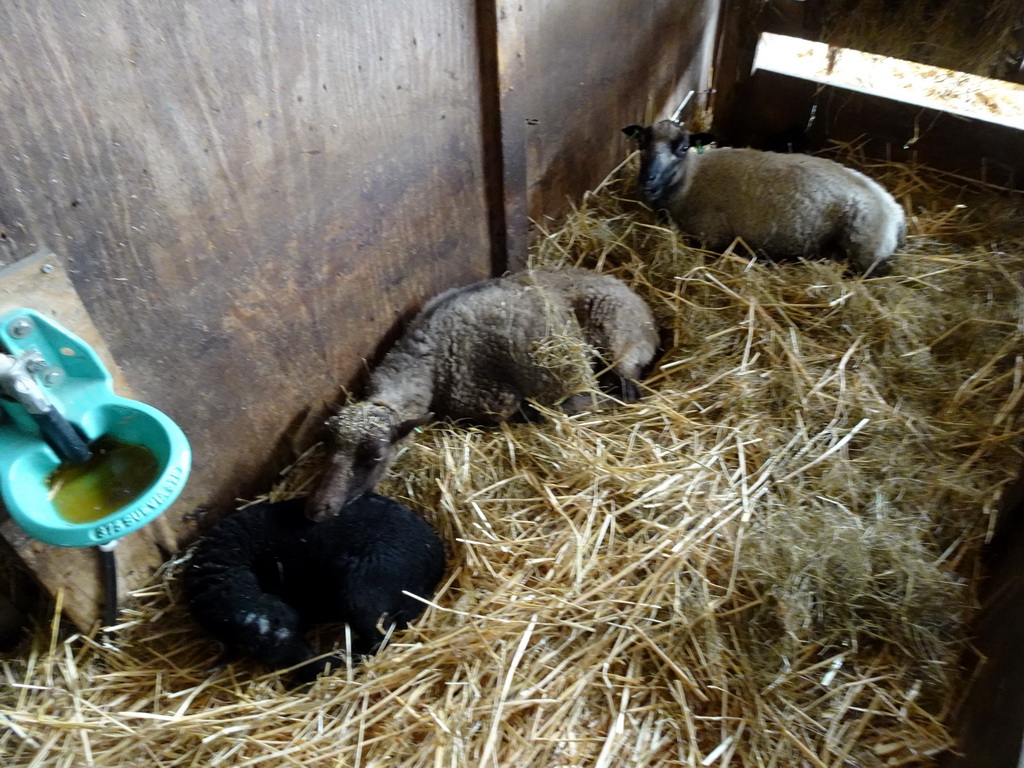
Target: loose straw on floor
768, 560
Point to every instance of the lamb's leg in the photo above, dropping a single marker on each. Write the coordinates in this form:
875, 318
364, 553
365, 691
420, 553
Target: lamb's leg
371, 604
526, 414
870, 263
366, 638
581, 401
491, 401
629, 389
278, 647
613, 330
616, 383
591, 401
228, 656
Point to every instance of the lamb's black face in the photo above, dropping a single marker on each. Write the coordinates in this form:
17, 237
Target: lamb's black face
663, 148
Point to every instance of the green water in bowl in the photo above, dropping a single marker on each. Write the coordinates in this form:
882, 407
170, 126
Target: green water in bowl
116, 475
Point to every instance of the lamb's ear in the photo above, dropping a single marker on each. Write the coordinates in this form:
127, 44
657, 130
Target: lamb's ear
401, 430
633, 132
701, 139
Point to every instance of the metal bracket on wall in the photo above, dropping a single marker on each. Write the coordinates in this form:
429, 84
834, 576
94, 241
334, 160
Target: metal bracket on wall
41, 282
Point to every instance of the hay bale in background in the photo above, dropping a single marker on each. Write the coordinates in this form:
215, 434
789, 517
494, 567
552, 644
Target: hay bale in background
768, 560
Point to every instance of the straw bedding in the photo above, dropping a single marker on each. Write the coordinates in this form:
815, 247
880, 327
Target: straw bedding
767, 561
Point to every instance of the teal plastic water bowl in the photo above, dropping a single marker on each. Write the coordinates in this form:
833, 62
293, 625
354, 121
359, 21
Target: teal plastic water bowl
85, 397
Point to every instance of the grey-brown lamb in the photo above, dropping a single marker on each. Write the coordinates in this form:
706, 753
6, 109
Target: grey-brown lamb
476, 353
786, 205
264, 573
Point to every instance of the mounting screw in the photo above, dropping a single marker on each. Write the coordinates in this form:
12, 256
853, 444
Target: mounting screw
53, 377
46, 269
20, 327
35, 365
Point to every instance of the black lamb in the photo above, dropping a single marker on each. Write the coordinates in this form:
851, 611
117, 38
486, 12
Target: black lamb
265, 572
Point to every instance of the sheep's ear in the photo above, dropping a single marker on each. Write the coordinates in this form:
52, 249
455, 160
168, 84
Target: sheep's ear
401, 430
701, 139
633, 132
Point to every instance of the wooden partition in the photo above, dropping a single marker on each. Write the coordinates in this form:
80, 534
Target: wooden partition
763, 109
570, 74
780, 106
250, 197
589, 74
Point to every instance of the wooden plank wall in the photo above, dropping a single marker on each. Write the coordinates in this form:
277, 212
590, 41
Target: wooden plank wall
248, 195
989, 721
251, 196
588, 75
781, 105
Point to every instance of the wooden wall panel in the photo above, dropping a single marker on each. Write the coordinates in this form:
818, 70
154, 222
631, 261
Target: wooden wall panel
503, 65
593, 68
248, 195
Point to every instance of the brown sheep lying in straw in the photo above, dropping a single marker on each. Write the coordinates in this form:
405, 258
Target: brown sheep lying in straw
476, 353
785, 205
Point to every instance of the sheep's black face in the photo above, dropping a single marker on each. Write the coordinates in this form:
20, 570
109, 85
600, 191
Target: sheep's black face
663, 149
370, 460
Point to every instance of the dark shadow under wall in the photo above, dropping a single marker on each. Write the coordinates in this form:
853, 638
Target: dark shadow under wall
20, 598
990, 720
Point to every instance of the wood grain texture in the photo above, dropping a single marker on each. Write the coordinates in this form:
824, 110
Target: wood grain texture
511, 51
251, 196
41, 282
77, 571
592, 69
248, 195
740, 23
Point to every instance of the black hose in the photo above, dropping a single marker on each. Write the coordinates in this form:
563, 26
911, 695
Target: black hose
62, 437
108, 572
